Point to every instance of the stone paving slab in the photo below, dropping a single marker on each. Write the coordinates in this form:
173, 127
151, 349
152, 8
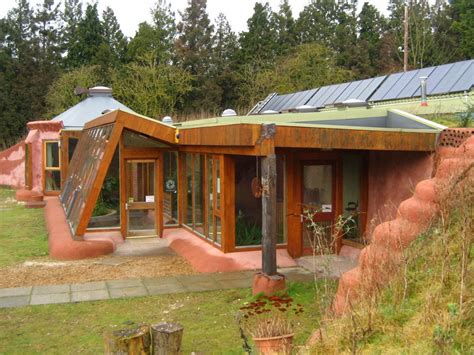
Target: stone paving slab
89, 286
90, 295
50, 298
16, 291
14, 301
46, 290
113, 289
128, 292
124, 283
166, 289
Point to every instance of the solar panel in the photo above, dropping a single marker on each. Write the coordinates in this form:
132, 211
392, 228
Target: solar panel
436, 77
295, 99
284, 99
271, 105
333, 97
401, 83
308, 94
455, 73
410, 89
371, 87
453, 77
466, 82
318, 99
346, 94
386, 86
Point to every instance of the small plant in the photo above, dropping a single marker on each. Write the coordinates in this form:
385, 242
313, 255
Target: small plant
269, 317
246, 233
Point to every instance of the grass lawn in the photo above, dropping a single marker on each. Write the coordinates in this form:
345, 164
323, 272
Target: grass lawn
208, 319
22, 231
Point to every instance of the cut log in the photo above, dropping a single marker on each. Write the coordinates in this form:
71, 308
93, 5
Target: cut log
135, 341
166, 338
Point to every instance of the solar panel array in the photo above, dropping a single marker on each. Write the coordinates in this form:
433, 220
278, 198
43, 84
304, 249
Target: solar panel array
442, 79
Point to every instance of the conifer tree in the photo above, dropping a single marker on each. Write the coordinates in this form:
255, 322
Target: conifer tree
89, 39
259, 42
194, 43
114, 36
285, 27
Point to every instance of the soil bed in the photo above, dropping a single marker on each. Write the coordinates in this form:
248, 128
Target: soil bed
45, 271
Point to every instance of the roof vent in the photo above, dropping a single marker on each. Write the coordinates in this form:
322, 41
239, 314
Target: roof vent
228, 113
351, 103
106, 111
269, 112
305, 108
100, 91
167, 120
424, 90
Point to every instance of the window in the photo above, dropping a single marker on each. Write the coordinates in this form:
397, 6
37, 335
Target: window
28, 167
52, 167
170, 188
203, 196
195, 194
83, 172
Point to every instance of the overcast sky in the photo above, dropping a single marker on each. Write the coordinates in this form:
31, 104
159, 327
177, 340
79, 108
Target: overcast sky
131, 13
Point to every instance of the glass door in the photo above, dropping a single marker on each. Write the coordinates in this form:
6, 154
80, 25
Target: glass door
140, 198
318, 207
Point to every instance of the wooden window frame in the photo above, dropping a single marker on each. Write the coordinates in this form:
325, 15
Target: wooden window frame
28, 166
45, 168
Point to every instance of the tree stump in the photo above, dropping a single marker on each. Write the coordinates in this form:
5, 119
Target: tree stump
166, 338
135, 341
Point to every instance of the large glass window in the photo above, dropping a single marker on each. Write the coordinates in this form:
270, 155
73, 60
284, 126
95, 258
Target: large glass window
352, 179
248, 205
106, 212
248, 202
213, 194
170, 188
52, 167
195, 192
83, 172
72, 144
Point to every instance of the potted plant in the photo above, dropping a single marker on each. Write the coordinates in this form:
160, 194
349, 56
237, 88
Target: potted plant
268, 320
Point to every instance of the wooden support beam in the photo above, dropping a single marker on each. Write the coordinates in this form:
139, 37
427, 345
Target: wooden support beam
269, 200
269, 213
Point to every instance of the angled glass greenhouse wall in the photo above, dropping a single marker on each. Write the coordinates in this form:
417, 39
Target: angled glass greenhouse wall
83, 172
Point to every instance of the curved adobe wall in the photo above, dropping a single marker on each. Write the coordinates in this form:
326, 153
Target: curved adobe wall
12, 166
414, 216
61, 244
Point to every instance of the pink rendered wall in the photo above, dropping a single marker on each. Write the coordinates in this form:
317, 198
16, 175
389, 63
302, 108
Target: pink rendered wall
392, 179
12, 166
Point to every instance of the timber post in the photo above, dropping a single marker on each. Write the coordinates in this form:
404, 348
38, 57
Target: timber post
269, 211
268, 281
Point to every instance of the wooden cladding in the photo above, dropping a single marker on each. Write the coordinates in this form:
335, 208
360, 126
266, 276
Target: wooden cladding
330, 138
224, 135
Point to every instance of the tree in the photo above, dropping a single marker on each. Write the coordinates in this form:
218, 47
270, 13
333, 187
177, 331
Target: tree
150, 88
224, 62
88, 39
114, 36
194, 44
285, 26
157, 38
317, 22
259, 43
308, 66
71, 17
463, 16
370, 26
23, 84
193, 50
61, 96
